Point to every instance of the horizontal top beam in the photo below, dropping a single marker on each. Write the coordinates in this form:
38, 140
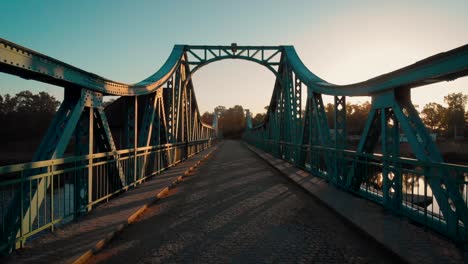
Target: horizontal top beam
445, 66
29, 64
202, 47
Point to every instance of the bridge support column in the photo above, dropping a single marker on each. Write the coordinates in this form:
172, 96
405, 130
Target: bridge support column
391, 112
84, 145
340, 138
131, 136
322, 129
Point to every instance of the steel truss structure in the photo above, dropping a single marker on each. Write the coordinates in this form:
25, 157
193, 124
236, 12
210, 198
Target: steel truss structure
161, 126
425, 189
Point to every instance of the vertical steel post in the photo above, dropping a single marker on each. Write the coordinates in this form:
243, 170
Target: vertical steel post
90, 157
135, 140
340, 138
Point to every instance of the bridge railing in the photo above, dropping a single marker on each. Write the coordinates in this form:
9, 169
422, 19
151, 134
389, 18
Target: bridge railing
75, 184
407, 185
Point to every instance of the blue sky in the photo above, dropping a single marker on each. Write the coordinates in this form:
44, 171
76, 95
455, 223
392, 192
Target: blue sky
341, 41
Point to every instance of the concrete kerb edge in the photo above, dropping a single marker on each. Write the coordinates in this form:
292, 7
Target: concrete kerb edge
347, 220
134, 217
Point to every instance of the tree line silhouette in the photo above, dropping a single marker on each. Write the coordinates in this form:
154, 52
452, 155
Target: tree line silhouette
27, 116
449, 122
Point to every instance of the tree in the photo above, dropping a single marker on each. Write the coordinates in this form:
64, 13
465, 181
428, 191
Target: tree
220, 109
258, 119
330, 111
26, 115
207, 118
232, 122
27, 102
466, 123
455, 113
434, 116
356, 117
9, 104
107, 103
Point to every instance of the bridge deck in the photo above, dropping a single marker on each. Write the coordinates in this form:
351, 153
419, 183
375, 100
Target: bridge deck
237, 208
72, 240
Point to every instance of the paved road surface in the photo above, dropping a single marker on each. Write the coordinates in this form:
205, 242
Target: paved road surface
238, 209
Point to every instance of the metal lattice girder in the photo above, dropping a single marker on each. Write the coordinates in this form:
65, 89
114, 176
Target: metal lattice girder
268, 56
292, 111
57, 138
189, 111
168, 103
313, 134
154, 127
105, 141
287, 113
306, 135
150, 126
340, 122
389, 112
20, 214
58, 135
84, 145
174, 106
131, 135
340, 137
168, 93
179, 117
391, 171
163, 126
180, 105
298, 107
367, 143
131, 122
320, 118
443, 184
147, 122
82, 134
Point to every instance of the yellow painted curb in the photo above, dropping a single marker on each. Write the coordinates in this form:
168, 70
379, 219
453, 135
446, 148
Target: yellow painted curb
84, 258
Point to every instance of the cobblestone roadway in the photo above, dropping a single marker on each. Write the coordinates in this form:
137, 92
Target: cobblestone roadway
237, 209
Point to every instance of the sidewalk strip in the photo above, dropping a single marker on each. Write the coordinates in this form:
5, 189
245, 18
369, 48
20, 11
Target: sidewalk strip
134, 217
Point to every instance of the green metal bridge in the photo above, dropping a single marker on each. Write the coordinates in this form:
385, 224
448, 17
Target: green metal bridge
161, 124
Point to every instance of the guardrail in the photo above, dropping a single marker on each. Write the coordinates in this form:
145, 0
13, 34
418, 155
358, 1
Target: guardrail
76, 184
408, 191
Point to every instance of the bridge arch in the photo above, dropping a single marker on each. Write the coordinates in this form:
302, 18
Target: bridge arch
200, 56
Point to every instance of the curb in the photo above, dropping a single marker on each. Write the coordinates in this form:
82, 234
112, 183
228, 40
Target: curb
134, 217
